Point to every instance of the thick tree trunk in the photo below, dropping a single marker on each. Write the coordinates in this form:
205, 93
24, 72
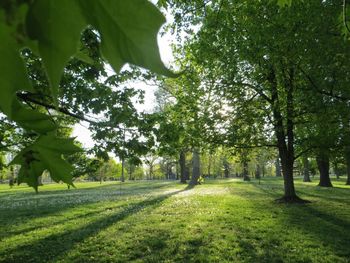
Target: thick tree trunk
278, 167
245, 171
347, 158
195, 168
306, 169
323, 166
286, 153
263, 170
122, 179
130, 172
226, 169
257, 172
182, 163
285, 134
287, 170
187, 172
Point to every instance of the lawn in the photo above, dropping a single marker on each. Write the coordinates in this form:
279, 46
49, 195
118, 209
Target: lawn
219, 221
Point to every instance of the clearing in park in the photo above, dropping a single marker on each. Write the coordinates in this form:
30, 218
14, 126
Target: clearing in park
164, 221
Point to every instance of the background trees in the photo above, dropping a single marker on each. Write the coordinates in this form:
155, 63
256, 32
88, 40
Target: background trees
275, 71
252, 78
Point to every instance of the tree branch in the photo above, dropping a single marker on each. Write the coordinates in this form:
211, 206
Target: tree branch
26, 97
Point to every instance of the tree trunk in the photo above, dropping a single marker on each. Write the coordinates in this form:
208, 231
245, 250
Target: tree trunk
122, 177
306, 169
284, 131
226, 169
263, 170
286, 154
182, 163
347, 158
336, 170
278, 167
196, 168
323, 166
257, 172
245, 171
287, 170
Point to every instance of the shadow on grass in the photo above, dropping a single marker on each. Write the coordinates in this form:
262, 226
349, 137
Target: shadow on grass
22, 214
53, 246
323, 223
330, 229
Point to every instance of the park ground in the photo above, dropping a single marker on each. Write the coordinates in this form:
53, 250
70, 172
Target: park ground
161, 221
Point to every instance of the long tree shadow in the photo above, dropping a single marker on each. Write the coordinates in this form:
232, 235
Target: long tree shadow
61, 201
330, 229
327, 227
53, 246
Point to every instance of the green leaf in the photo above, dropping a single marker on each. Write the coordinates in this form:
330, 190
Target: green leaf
128, 32
14, 79
56, 25
46, 154
30, 175
84, 57
32, 120
53, 143
13, 73
52, 29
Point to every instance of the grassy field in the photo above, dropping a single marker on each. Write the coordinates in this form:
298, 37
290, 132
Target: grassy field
219, 221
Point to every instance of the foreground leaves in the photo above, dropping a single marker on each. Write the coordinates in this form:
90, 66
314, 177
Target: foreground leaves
128, 31
46, 154
52, 29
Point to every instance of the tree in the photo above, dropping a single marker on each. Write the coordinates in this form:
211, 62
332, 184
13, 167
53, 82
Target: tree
31, 24
267, 67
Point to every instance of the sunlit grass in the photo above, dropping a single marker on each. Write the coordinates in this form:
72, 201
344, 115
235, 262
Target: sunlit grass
219, 221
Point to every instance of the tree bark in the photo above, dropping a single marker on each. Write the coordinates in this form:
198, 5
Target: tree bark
285, 140
257, 172
122, 179
182, 163
306, 169
322, 160
195, 168
245, 171
263, 170
226, 169
347, 158
278, 167
130, 172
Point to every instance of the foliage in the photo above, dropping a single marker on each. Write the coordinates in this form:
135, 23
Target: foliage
127, 31
267, 71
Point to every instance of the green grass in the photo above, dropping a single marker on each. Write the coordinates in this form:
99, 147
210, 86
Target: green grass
219, 221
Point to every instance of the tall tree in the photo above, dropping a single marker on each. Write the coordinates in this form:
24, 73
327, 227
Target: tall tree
268, 65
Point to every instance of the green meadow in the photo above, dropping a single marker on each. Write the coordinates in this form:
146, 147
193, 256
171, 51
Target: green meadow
161, 221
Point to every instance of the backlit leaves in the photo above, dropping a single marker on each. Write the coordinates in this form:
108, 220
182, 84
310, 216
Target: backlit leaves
52, 29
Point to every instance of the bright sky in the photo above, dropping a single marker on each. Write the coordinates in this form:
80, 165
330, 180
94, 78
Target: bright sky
81, 130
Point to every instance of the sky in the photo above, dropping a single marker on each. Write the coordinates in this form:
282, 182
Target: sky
81, 131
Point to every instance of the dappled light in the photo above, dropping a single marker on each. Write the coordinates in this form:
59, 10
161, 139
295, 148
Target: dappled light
162, 220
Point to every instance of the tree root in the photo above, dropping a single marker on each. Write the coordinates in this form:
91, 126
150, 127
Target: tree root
291, 200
